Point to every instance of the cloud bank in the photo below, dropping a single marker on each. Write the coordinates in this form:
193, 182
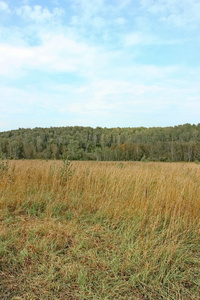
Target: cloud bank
99, 64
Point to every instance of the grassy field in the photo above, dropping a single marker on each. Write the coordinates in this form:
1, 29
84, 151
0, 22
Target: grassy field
99, 230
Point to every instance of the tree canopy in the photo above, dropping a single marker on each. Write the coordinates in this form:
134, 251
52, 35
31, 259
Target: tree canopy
178, 143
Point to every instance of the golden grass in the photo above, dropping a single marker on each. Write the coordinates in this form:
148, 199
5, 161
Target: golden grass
99, 230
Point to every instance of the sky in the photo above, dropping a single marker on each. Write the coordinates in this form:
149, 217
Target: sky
107, 63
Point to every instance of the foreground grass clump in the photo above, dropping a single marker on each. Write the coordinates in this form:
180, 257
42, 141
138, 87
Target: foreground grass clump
97, 230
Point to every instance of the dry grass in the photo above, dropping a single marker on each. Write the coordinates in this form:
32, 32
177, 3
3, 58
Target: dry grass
99, 230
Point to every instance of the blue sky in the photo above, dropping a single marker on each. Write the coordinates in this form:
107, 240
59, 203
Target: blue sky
108, 63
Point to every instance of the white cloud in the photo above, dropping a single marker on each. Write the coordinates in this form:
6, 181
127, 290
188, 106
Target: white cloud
175, 12
139, 38
57, 53
101, 82
106, 97
99, 99
98, 14
120, 21
134, 39
4, 7
123, 3
89, 16
39, 14
12, 58
89, 8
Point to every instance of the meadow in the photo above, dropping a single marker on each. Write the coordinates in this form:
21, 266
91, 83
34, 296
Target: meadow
99, 230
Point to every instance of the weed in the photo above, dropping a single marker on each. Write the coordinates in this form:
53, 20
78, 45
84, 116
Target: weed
102, 230
66, 171
4, 164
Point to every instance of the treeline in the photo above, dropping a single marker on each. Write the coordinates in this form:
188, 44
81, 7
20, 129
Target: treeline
178, 143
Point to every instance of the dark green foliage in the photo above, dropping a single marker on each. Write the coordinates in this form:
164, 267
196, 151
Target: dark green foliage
179, 143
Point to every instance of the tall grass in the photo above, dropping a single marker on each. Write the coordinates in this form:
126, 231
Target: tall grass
99, 230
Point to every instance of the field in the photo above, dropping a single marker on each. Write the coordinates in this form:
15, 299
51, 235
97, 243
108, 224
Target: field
99, 230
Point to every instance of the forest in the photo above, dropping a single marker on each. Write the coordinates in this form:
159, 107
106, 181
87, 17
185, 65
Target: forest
178, 143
